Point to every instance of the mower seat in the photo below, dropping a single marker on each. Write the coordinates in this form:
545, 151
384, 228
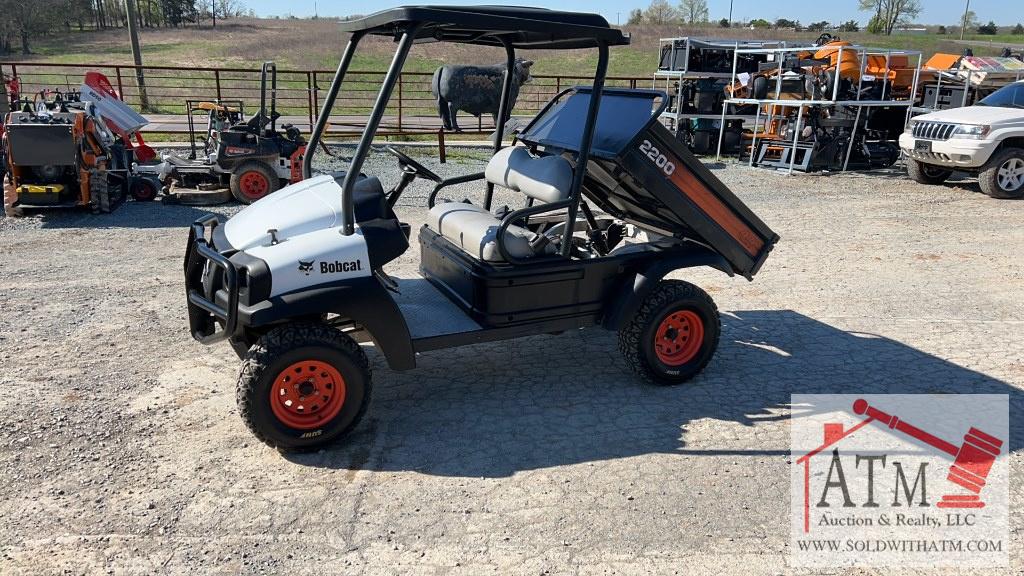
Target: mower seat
474, 229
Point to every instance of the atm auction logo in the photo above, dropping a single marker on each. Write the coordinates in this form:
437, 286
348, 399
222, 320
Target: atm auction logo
900, 480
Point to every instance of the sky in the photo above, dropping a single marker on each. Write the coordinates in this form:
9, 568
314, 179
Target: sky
1003, 12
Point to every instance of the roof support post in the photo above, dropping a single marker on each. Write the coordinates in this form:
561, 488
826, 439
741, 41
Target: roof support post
575, 193
504, 109
372, 123
325, 111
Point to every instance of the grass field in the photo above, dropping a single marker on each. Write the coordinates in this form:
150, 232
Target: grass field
317, 44
301, 45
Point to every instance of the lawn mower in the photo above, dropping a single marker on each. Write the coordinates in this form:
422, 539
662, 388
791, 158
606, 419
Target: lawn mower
611, 203
249, 157
72, 149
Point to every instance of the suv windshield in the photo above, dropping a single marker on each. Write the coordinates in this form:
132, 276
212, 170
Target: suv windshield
1011, 96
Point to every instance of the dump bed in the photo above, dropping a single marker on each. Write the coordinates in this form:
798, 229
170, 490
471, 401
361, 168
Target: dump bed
642, 174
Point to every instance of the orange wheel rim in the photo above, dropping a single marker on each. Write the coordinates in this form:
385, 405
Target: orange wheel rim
679, 338
308, 394
253, 184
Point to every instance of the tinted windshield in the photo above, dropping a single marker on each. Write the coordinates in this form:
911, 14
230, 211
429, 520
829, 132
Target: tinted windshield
1011, 96
622, 114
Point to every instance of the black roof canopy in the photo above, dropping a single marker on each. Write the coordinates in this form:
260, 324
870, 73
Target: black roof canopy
524, 28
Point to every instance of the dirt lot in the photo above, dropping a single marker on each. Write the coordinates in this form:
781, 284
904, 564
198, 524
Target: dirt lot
123, 452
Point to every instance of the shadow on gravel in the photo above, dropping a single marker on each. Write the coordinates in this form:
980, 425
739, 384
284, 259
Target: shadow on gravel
494, 410
130, 215
956, 180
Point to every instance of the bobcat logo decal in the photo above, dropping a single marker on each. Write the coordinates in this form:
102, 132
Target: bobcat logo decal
306, 267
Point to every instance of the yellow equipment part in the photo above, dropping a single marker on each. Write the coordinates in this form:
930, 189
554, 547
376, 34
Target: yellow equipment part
849, 67
213, 106
40, 188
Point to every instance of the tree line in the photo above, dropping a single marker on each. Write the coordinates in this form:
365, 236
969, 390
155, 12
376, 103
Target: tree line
23, 20
887, 16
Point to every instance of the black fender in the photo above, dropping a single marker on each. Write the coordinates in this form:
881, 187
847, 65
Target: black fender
365, 301
635, 288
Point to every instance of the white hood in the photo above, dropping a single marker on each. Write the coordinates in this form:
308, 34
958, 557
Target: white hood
990, 115
307, 206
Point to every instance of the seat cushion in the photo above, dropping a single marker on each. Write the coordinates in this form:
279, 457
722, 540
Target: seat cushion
547, 178
475, 231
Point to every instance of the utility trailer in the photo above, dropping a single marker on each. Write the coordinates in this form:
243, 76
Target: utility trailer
612, 203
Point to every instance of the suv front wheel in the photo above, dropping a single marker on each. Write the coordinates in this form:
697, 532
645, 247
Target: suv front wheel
926, 173
1003, 176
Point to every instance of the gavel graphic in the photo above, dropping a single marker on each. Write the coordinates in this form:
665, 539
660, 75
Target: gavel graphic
972, 461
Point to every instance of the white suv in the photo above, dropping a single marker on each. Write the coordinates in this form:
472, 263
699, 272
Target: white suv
986, 139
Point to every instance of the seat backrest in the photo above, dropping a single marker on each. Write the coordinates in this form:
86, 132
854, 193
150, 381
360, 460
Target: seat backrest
547, 178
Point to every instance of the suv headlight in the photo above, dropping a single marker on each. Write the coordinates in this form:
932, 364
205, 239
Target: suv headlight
910, 126
971, 131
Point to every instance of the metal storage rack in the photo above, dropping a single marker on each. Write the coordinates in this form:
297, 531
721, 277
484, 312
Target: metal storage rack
674, 69
959, 80
778, 102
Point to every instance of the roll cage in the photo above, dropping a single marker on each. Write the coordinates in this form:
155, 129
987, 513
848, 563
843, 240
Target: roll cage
511, 28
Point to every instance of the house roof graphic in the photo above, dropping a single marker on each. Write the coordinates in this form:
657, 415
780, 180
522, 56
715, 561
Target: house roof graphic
834, 433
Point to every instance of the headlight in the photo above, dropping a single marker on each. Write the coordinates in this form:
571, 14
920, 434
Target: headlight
910, 127
971, 131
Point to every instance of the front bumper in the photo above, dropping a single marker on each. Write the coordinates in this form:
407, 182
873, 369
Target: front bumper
206, 309
955, 153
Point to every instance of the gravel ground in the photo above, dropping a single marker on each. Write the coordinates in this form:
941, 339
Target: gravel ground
123, 451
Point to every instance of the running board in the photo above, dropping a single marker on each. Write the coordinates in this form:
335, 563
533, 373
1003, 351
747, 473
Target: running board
457, 339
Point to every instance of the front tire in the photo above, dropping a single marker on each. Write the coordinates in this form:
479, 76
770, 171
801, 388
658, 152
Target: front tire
143, 190
673, 335
302, 386
1003, 176
926, 173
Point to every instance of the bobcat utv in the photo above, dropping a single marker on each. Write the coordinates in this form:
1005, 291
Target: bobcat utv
612, 203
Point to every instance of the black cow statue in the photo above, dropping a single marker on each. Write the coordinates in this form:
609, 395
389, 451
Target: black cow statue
474, 89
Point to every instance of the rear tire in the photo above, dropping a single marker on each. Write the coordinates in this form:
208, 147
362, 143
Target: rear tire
759, 88
926, 173
673, 335
1003, 176
253, 180
302, 386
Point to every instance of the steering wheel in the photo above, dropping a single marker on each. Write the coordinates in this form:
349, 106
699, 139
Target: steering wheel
408, 163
